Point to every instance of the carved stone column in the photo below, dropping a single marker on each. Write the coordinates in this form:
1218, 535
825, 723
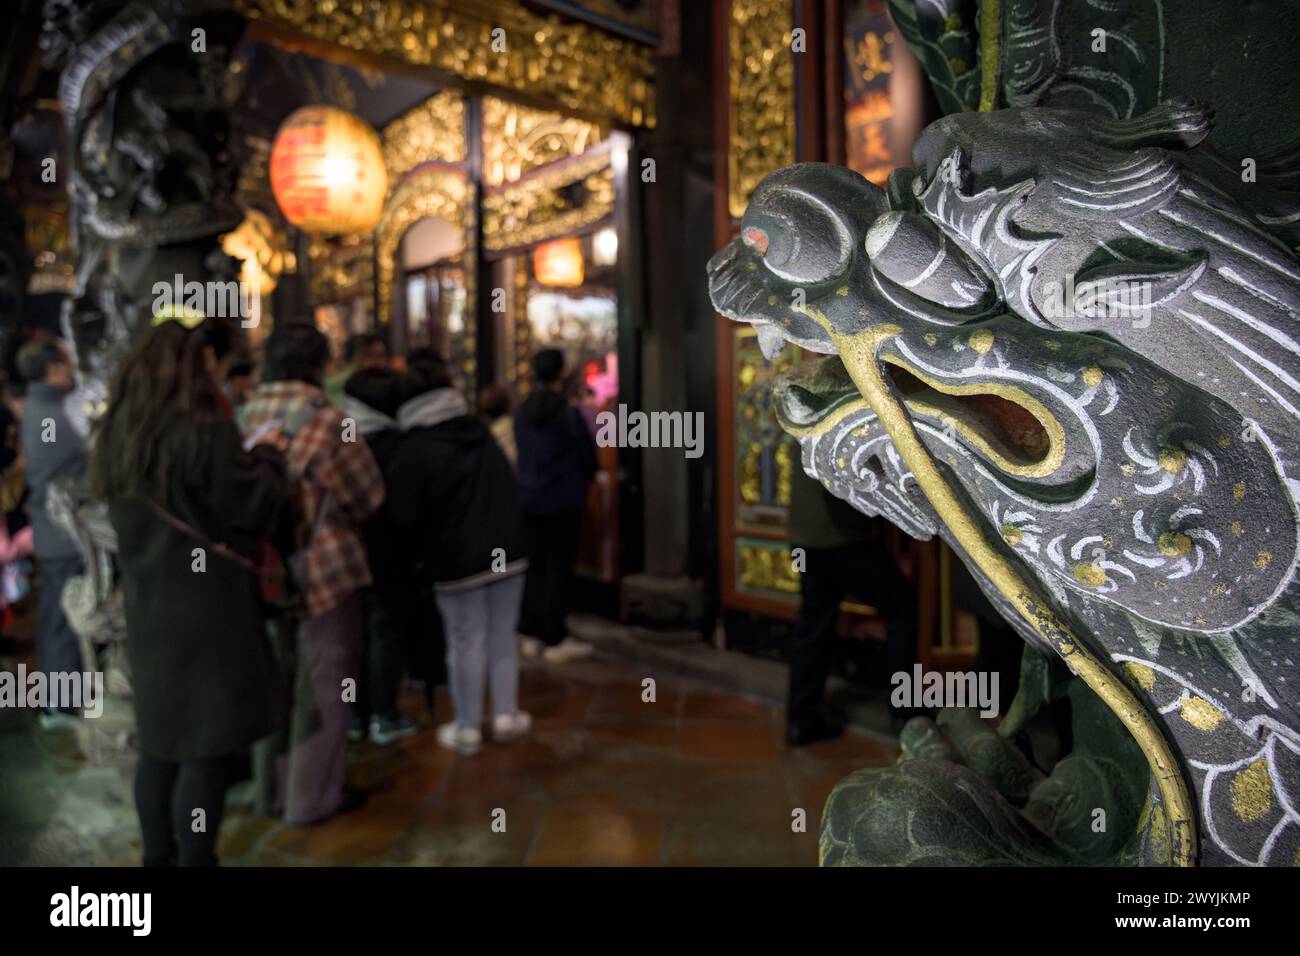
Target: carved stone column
668, 597
151, 164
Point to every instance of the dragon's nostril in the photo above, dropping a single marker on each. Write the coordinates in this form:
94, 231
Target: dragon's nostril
756, 239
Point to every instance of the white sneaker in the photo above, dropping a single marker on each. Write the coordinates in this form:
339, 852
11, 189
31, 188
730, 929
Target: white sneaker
508, 727
530, 647
464, 740
569, 649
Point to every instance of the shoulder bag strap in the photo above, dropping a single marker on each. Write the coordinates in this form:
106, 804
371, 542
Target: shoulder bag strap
191, 532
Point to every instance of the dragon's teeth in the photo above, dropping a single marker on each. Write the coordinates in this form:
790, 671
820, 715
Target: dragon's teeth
770, 341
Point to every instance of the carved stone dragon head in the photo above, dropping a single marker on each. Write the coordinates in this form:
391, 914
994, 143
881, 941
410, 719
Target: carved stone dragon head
1061, 343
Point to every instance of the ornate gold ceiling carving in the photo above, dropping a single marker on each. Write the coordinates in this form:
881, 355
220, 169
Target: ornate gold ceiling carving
576, 66
543, 206
434, 130
762, 95
517, 139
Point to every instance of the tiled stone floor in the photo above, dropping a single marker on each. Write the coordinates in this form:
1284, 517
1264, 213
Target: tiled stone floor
697, 777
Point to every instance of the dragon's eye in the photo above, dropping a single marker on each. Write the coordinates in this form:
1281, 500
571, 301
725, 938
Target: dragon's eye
798, 237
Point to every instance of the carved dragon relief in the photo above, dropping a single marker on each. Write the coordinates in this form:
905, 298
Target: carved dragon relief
1061, 344
151, 164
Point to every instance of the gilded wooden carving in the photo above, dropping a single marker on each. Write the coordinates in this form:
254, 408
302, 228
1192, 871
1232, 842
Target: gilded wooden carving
517, 139
579, 67
559, 201
765, 566
434, 130
762, 95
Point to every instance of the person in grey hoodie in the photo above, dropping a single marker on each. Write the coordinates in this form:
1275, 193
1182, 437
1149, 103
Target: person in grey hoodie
54, 451
453, 494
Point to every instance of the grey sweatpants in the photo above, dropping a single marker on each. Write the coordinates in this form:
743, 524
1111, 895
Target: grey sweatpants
482, 648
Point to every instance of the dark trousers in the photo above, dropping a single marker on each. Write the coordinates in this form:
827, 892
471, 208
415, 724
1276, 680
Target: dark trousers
864, 570
168, 795
381, 665
57, 649
548, 587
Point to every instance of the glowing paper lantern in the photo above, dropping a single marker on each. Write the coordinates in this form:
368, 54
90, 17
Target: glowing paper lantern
559, 263
327, 171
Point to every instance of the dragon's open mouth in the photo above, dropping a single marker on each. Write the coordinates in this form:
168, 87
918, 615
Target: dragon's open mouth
1018, 436
1011, 433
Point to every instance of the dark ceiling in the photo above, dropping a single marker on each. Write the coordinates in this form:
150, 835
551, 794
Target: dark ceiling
276, 82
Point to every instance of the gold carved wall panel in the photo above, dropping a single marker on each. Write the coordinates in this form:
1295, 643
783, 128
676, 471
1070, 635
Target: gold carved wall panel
561, 200
517, 139
762, 95
765, 454
432, 131
578, 67
522, 330
765, 566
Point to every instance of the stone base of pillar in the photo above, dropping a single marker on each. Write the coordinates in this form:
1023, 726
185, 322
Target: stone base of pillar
657, 604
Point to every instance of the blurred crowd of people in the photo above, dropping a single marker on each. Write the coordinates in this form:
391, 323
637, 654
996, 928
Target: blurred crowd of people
296, 535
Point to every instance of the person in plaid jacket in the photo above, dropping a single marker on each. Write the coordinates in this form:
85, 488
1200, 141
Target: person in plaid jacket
339, 486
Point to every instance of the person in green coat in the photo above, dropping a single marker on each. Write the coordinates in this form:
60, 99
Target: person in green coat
192, 509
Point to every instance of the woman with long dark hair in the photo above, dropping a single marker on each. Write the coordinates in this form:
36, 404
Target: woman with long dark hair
191, 508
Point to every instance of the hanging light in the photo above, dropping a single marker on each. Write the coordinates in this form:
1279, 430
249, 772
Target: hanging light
559, 263
604, 247
327, 171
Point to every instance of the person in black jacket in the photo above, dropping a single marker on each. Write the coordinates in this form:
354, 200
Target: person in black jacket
53, 450
557, 460
191, 508
451, 489
371, 398
842, 556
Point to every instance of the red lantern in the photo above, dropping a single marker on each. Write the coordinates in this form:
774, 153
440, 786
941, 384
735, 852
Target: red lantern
327, 171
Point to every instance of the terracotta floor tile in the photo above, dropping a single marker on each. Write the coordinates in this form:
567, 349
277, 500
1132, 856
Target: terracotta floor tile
470, 832
728, 739
699, 777
582, 836
623, 700
712, 704
554, 703
660, 735
723, 790
269, 856
526, 766
404, 793
623, 774
851, 745
339, 842
423, 749
240, 837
